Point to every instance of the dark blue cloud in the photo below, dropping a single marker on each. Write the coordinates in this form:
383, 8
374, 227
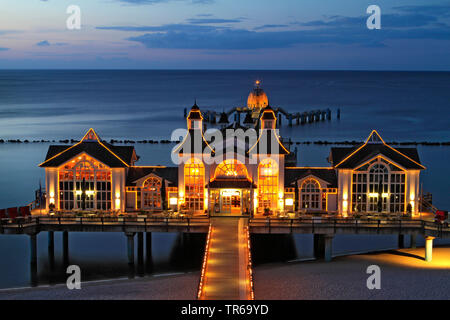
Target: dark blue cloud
180, 27
407, 24
184, 37
4, 49
271, 26
44, 43
387, 20
212, 21
435, 10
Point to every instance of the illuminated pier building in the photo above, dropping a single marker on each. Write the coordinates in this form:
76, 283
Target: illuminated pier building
255, 177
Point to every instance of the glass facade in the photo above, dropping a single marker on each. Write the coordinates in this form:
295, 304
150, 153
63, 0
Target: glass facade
378, 186
85, 184
194, 183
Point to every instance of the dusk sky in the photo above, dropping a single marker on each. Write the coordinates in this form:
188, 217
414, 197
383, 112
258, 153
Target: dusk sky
225, 34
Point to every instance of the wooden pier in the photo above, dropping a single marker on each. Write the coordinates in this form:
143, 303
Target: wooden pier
296, 118
226, 271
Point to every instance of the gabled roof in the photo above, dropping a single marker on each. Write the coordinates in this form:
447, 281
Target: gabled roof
170, 174
291, 175
112, 156
350, 158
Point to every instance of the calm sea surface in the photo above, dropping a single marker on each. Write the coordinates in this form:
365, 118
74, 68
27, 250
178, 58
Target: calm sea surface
53, 105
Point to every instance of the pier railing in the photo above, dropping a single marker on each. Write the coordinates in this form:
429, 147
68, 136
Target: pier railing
352, 225
105, 221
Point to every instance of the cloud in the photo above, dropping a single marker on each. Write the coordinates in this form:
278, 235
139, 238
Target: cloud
435, 10
185, 37
212, 21
46, 43
3, 49
387, 20
163, 28
271, 26
201, 33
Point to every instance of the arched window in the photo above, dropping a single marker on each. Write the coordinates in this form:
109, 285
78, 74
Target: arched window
85, 183
310, 195
151, 194
194, 184
376, 183
231, 169
378, 186
268, 184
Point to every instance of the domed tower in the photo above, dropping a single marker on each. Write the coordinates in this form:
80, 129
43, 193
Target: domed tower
257, 100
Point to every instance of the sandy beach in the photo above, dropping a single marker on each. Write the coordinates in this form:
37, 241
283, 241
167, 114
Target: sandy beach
404, 275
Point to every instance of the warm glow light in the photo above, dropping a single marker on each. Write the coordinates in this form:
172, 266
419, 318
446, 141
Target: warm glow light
289, 202
375, 195
173, 201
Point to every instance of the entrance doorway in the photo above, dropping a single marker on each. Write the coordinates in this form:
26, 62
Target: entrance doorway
231, 202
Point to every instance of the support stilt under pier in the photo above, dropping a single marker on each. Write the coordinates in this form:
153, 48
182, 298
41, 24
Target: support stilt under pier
323, 247
148, 252
33, 249
130, 247
65, 248
33, 259
413, 241
140, 248
328, 247
51, 249
401, 241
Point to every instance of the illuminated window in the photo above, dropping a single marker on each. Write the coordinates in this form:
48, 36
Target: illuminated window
268, 184
194, 182
378, 183
84, 183
231, 169
310, 195
151, 194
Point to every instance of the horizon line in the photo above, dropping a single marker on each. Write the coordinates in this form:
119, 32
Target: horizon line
217, 69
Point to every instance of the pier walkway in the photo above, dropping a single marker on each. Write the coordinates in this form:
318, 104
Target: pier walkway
226, 273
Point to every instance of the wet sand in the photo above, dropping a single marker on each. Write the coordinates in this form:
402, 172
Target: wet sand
404, 275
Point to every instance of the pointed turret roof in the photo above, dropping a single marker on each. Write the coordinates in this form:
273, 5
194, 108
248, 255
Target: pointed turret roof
268, 113
195, 113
